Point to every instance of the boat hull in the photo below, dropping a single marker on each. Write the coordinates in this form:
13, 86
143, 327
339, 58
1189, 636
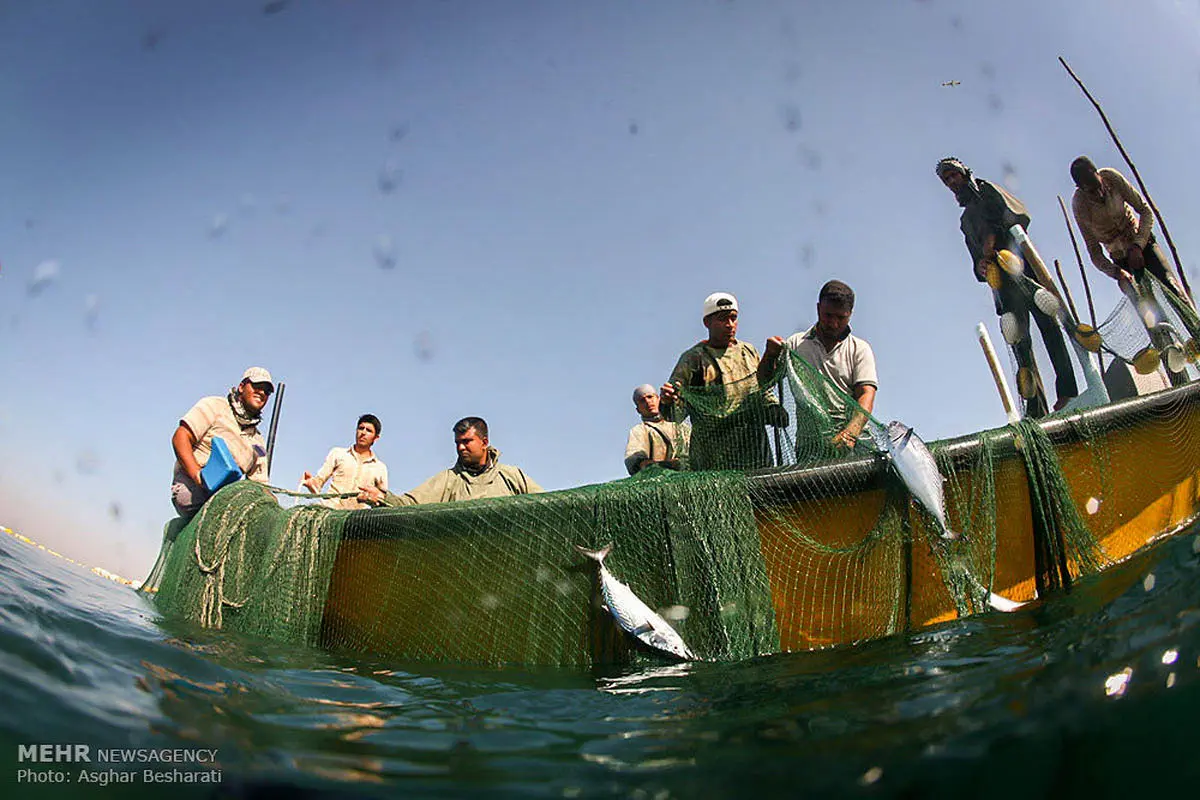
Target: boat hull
444, 593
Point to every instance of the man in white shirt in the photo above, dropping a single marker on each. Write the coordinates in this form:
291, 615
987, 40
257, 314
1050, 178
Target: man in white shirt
846, 362
352, 469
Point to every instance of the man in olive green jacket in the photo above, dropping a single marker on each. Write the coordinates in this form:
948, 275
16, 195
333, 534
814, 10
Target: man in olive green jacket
478, 473
728, 408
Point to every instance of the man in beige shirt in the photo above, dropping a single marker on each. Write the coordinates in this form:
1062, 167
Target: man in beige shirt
728, 408
478, 473
1113, 216
654, 440
235, 419
351, 469
1105, 205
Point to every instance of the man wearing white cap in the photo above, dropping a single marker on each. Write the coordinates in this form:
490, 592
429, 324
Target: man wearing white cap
234, 418
654, 440
726, 405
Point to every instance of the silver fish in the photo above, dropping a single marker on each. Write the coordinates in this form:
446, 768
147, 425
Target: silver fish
916, 468
632, 614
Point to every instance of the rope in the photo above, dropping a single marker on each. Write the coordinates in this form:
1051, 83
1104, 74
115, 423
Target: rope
310, 495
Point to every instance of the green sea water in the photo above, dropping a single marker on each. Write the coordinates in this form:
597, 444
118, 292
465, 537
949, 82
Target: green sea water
1094, 693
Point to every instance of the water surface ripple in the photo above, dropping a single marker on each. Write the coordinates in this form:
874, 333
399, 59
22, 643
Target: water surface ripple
1093, 693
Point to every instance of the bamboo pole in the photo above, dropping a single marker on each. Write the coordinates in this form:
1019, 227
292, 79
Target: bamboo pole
1141, 184
1006, 398
1087, 287
1066, 290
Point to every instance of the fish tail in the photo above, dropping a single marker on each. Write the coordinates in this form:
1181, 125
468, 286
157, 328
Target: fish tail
1001, 603
951, 536
596, 555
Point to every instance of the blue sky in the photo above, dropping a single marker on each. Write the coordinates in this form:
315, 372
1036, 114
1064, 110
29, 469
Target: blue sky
570, 180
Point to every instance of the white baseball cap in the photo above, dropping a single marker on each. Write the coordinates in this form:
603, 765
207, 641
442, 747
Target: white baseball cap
719, 301
257, 375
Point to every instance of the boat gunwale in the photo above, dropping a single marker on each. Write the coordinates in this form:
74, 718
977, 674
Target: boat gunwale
783, 486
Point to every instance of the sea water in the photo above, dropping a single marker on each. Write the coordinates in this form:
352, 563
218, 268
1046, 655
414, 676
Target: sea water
1095, 693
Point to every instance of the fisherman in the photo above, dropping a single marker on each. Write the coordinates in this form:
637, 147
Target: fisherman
477, 473
846, 362
234, 418
728, 420
654, 440
1104, 206
989, 215
352, 468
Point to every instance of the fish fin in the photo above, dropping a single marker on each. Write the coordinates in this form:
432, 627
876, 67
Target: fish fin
951, 536
596, 555
645, 627
1001, 603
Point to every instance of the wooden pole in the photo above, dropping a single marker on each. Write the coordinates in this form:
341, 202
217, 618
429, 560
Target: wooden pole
1087, 287
1066, 290
1010, 407
1141, 184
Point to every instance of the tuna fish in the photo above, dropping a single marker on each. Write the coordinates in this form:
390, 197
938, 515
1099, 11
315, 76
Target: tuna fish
632, 614
916, 467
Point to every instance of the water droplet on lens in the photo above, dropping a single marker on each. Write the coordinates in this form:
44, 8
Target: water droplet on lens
423, 347
389, 177
791, 118
675, 613
1170, 656
871, 776
216, 228
1093, 505
87, 462
808, 255
385, 252
91, 310
151, 39
44, 274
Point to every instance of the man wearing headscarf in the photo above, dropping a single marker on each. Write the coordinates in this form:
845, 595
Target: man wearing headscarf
235, 419
991, 222
654, 440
